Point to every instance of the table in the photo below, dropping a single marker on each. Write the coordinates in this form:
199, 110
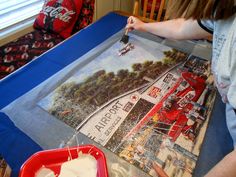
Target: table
17, 147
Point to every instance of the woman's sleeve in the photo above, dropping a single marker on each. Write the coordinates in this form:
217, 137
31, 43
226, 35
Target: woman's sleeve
207, 25
232, 89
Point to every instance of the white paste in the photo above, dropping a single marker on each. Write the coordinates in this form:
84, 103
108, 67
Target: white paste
44, 172
84, 166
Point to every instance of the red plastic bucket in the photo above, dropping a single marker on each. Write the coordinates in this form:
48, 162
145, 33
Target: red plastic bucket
53, 160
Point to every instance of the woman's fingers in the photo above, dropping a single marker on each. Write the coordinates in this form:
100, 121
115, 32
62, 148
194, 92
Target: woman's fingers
131, 19
130, 23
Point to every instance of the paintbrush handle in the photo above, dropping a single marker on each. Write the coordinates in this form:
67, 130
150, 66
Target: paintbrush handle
126, 31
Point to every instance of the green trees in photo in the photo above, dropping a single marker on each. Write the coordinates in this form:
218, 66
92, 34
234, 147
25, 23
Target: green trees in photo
78, 100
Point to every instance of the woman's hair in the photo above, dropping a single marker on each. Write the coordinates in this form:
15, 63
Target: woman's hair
202, 9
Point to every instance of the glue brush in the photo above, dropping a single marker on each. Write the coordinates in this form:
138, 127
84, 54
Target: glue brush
125, 37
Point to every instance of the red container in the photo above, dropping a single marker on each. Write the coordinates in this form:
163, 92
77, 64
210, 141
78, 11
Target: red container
53, 160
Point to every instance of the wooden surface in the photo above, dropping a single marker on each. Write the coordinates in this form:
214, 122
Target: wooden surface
5, 170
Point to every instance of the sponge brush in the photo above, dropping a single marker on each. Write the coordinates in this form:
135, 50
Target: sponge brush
125, 37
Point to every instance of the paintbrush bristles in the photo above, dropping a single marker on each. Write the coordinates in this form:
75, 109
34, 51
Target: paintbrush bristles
125, 37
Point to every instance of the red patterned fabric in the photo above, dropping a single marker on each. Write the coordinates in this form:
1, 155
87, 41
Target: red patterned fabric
59, 16
19, 52
149, 5
86, 15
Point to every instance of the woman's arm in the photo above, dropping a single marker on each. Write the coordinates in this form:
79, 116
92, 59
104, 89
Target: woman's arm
173, 29
225, 168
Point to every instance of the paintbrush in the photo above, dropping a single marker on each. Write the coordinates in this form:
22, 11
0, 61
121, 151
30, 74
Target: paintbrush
125, 37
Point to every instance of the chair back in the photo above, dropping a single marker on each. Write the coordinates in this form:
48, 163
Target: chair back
151, 10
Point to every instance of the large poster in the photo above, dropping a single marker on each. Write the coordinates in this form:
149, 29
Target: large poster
150, 105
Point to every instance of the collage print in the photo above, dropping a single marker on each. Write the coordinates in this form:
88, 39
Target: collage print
148, 103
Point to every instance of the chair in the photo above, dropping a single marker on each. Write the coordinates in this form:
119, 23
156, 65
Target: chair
151, 10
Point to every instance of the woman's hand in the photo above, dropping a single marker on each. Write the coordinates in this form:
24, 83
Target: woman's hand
134, 23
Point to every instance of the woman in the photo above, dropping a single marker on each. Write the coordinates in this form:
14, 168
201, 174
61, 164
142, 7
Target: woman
205, 19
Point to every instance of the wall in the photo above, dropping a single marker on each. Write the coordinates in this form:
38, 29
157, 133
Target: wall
104, 6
